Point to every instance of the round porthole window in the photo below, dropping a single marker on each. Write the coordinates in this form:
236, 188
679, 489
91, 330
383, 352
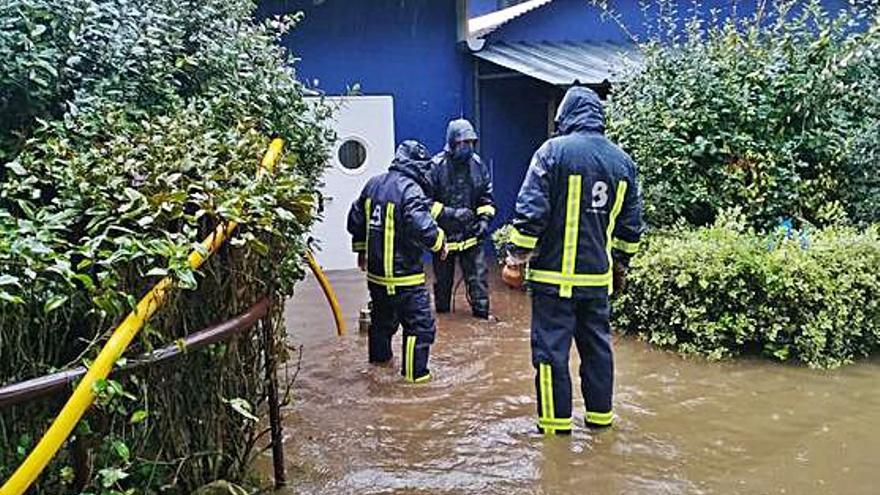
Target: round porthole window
352, 155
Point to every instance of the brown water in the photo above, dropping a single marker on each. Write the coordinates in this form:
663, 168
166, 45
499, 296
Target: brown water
684, 425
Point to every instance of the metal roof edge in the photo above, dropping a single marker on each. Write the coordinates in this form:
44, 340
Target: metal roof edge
479, 27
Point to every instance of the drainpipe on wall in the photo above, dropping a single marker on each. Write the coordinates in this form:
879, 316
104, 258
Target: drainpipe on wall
461, 12
478, 122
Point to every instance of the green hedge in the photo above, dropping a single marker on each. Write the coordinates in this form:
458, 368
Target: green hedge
777, 113
723, 290
129, 130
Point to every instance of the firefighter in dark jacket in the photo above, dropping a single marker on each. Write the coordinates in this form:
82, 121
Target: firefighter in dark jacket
465, 207
578, 221
391, 227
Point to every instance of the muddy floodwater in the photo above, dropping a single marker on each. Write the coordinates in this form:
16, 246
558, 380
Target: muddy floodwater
684, 425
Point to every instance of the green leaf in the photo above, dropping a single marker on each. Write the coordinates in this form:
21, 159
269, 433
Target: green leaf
85, 280
121, 450
157, 272
259, 246
16, 168
54, 303
243, 408
187, 279
111, 476
99, 386
5, 296
139, 416
67, 475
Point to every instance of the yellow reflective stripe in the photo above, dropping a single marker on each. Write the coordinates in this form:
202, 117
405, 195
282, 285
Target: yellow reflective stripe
368, 205
548, 410
601, 419
486, 210
576, 280
358, 246
469, 243
436, 210
407, 281
438, 244
463, 245
389, 245
626, 247
410, 360
519, 239
423, 379
542, 389
612, 219
567, 279
551, 408
572, 228
556, 422
554, 425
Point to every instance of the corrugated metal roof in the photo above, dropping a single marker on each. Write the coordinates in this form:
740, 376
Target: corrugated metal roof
563, 63
485, 24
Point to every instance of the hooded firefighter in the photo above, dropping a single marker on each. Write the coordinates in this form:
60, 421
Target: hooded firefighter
577, 223
391, 227
463, 203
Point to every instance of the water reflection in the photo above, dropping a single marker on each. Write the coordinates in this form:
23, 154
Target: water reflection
685, 425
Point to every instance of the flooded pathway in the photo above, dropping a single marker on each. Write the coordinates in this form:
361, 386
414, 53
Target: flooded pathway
684, 425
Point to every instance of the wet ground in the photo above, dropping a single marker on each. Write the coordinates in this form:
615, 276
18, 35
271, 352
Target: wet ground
684, 425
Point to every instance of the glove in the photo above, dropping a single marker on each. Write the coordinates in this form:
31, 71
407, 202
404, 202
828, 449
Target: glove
517, 257
463, 216
619, 277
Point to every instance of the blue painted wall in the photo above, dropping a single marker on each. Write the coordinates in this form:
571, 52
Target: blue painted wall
513, 127
477, 8
403, 48
563, 20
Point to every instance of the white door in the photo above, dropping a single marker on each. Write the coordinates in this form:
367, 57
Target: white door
364, 128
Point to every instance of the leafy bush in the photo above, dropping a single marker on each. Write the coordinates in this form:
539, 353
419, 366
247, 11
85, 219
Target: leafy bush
778, 113
129, 131
500, 241
723, 290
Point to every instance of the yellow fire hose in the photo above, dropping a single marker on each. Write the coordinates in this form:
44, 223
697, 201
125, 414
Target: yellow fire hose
328, 292
268, 165
83, 395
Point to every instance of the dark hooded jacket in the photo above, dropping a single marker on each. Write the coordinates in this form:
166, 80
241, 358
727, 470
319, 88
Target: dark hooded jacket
461, 185
391, 220
579, 206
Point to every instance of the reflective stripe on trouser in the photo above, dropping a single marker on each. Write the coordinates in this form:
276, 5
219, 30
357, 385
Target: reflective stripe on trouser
409, 307
599, 419
548, 422
473, 266
555, 322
